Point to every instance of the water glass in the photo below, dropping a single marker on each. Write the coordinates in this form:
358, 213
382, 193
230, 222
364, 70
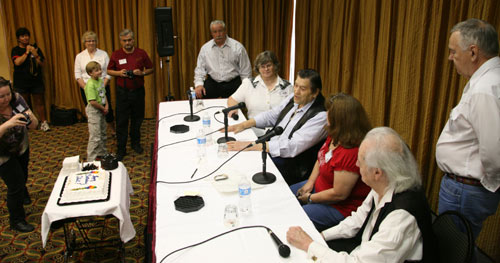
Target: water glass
222, 151
231, 215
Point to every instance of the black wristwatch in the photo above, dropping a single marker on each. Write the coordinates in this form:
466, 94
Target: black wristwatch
309, 199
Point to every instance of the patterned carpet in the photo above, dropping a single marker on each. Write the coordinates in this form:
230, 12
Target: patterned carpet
48, 150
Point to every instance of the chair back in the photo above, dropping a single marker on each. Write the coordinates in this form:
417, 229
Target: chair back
454, 237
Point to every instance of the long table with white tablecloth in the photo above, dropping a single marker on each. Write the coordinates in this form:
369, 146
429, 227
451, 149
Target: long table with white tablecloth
273, 205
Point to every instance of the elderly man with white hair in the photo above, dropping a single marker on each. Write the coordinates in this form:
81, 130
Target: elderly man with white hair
394, 220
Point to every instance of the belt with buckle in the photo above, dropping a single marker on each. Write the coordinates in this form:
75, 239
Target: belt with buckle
464, 180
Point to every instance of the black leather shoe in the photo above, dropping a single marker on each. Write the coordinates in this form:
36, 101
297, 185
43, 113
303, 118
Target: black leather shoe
120, 155
27, 200
22, 226
137, 148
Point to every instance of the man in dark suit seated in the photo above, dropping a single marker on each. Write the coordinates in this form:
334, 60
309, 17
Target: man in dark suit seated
394, 222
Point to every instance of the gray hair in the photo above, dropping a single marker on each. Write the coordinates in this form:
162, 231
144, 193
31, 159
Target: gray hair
126, 32
217, 22
391, 154
89, 34
264, 58
478, 32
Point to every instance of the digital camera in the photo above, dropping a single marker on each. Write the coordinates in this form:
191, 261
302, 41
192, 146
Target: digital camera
130, 74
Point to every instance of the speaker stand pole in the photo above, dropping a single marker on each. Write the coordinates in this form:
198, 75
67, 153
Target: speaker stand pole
169, 96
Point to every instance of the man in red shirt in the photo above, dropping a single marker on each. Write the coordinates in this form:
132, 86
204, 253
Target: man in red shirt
129, 64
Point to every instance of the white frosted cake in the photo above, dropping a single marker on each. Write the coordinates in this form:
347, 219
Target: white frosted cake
86, 186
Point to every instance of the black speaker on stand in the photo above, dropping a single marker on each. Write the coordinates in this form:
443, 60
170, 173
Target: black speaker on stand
165, 40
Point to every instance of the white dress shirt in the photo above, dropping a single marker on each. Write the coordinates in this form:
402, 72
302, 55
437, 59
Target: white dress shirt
397, 239
307, 136
83, 58
222, 63
469, 144
259, 99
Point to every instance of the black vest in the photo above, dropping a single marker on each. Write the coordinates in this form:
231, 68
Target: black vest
412, 201
299, 168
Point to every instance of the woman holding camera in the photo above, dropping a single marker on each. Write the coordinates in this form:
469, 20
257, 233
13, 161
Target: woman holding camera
28, 60
15, 120
92, 53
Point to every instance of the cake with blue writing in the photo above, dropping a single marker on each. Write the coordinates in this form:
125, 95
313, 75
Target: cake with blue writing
86, 186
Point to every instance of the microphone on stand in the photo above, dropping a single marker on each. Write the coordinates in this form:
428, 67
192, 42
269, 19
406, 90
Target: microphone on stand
265, 177
226, 111
264, 138
283, 249
191, 117
237, 106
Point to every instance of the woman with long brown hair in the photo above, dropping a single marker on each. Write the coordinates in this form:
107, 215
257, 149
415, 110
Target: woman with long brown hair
334, 188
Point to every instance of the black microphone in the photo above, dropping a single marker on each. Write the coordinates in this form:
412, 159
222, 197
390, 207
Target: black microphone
283, 249
237, 106
276, 131
235, 116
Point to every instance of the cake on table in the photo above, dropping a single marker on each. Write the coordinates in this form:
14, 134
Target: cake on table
85, 186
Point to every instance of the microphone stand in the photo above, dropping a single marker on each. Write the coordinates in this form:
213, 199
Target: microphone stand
225, 138
191, 117
264, 177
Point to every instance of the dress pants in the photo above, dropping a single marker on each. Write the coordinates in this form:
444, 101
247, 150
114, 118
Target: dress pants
15, 174
129, 107
216, 89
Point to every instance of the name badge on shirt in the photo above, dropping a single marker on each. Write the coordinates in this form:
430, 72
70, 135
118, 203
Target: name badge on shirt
122, 61
19, 108
328, 156
284, 93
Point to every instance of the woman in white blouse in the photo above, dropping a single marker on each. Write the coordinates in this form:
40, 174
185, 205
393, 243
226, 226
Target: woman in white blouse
263, 92
92, 53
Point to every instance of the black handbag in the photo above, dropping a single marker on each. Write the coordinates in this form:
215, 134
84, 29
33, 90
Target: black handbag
63, 117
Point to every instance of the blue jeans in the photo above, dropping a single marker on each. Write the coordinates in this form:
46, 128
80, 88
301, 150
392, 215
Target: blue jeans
323, 216
474, 202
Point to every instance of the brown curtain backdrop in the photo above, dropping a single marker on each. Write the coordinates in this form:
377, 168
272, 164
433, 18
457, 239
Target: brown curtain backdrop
392, 56
258, 25
57, 27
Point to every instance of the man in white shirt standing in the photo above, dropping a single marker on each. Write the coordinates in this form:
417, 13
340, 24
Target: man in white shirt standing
394, 222
222, 64
468, 150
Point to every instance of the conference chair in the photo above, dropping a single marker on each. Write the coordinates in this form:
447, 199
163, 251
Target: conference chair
454, 237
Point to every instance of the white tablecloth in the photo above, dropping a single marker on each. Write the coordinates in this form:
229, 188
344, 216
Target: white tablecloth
118, 205
273, 205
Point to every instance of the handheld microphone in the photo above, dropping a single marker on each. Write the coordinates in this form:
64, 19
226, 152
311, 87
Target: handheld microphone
276, 131
237, 106
283, 249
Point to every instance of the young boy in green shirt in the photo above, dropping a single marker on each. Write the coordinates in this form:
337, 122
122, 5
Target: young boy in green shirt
96, 109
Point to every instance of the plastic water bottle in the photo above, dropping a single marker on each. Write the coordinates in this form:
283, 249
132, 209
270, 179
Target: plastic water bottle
245, 191
206, 127
201, 140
